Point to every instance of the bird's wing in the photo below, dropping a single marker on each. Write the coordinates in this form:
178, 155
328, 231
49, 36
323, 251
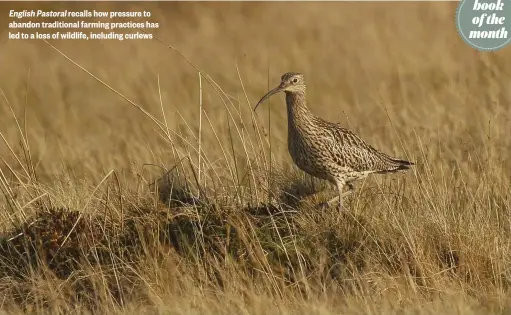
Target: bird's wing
351, 151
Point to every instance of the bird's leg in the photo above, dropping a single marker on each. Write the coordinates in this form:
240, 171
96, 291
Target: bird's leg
351, 189
339, 189
328, 203
340, 195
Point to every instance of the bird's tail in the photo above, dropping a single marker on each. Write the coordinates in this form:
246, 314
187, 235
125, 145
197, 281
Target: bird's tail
397, 166
403, 162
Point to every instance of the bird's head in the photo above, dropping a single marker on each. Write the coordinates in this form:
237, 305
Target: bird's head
289, 82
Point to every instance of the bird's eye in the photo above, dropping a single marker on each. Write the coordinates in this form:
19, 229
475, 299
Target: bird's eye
295, 80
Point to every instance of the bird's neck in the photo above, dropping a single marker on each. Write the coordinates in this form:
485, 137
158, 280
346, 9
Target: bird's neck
297, 106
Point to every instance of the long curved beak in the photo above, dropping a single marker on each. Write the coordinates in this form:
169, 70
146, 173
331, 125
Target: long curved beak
267, 95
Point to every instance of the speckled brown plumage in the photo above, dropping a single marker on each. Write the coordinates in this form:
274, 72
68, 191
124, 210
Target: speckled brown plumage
324, 149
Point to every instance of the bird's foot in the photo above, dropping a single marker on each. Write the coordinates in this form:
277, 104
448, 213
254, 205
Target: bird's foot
323, 206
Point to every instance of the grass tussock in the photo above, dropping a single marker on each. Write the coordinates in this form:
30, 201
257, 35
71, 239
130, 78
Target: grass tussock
162, 192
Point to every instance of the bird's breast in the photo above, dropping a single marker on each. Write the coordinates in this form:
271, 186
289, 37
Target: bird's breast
308, 152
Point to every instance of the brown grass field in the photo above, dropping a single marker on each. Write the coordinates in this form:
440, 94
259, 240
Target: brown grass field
141, 186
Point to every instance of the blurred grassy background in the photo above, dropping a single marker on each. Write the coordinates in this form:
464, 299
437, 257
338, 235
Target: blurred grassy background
360, 60
397, 73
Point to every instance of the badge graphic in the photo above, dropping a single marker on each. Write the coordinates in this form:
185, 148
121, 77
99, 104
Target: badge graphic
484, 24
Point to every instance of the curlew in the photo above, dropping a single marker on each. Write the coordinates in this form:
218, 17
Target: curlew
326, 150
